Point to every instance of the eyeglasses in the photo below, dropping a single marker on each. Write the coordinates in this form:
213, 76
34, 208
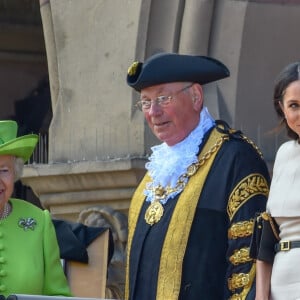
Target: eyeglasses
163, 101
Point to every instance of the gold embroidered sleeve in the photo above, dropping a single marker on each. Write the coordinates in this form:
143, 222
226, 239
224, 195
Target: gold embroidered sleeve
240, 229
247, 188
240, 256
241, 281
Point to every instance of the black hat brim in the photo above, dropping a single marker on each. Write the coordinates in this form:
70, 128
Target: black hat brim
172, 67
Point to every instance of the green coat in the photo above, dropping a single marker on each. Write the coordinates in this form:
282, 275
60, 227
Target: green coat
29, 253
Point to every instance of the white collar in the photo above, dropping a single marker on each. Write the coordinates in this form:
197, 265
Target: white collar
167, 163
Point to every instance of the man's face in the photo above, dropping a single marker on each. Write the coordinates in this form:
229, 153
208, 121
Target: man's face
172, 122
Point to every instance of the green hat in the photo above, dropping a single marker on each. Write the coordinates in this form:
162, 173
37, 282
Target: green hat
10, 144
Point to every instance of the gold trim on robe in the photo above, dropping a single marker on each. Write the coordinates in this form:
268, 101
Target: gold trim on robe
169, 276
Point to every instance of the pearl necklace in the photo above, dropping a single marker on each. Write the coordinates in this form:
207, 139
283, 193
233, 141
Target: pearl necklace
5, 212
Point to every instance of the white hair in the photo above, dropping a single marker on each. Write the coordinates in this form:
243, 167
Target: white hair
18, 167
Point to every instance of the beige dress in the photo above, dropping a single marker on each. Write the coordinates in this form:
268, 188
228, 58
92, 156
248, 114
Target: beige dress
284, 205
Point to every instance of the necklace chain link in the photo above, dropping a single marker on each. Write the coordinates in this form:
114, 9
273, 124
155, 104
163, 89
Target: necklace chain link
160, 193
253, 145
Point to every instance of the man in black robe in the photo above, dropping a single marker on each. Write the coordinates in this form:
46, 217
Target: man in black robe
191, 218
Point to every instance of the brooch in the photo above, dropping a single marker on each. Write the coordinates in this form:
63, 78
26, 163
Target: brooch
27, 223
132, 70
154, 212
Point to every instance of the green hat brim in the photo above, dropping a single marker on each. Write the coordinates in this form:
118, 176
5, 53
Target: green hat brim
20, 147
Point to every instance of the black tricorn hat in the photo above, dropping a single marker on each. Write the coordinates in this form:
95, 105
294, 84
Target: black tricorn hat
172, 67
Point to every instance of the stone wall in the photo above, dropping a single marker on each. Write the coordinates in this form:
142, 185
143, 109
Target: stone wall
98, 141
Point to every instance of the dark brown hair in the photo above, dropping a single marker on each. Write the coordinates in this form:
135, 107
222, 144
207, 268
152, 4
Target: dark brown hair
288, 75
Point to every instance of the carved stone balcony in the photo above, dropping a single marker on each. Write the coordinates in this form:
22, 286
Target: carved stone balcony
68, 188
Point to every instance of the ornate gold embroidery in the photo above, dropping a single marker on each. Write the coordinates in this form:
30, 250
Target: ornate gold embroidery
235, 297
246, 289
240, 229
250, 186
132, 69
238, 281
240, 256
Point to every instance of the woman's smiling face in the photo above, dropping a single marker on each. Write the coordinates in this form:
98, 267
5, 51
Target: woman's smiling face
7, 178
291, 106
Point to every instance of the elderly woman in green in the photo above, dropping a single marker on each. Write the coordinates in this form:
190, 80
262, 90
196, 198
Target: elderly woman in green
29, 253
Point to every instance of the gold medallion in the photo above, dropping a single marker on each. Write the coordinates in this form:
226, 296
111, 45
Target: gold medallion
154, 213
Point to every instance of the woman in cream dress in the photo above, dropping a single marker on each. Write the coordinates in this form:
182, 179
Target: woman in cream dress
281, 280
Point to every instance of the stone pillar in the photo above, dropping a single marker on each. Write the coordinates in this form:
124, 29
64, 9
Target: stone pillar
88, 52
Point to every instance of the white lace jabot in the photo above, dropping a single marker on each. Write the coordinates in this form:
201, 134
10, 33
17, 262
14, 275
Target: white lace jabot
167, 163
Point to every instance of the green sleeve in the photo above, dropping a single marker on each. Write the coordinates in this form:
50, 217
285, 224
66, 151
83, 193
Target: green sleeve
55, 280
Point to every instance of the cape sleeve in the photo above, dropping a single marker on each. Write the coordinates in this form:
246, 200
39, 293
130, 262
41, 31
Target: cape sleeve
250, 188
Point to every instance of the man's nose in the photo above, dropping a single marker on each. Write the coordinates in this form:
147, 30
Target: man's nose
154, 108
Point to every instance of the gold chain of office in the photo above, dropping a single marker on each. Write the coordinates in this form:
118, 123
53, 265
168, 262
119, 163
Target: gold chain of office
155, 210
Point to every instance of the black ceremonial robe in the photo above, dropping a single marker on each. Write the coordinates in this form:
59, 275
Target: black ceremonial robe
215, 264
